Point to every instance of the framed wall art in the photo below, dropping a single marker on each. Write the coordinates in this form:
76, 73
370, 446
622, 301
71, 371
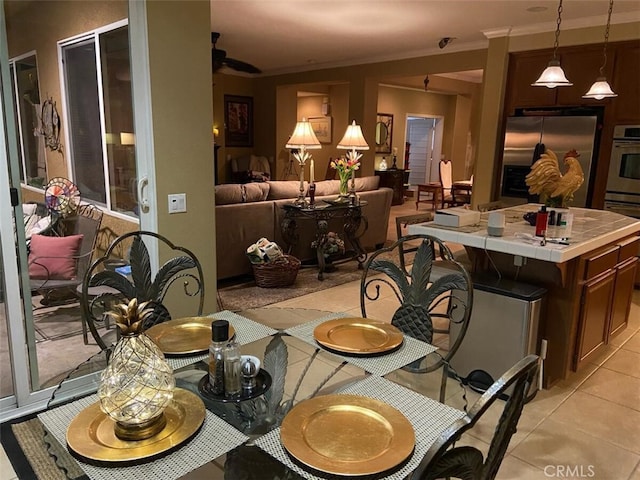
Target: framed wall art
322, 128
384, 132
238, 121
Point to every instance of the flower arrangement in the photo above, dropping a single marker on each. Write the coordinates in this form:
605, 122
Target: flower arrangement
330, 245
345, 168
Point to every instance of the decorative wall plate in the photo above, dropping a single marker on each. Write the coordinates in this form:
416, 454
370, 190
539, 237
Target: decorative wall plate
347, 435
358, 336
62, 196
91, 437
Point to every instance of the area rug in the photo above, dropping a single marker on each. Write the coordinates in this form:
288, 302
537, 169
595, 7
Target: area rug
247, 294
25, 445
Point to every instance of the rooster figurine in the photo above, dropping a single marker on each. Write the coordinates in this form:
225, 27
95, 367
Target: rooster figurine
545, 178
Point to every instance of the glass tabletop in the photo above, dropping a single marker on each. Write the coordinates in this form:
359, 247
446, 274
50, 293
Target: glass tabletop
299, 370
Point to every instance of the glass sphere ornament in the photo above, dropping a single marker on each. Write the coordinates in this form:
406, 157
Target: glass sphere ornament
137, 385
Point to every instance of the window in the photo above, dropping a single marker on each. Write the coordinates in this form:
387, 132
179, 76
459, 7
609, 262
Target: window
24, 85
100, 117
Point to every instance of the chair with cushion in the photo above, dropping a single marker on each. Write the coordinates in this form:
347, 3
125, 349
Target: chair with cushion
436, 291
250, 168
111, 280
444, 460
57, 263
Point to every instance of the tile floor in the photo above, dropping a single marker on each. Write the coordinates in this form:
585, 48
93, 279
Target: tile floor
588, 426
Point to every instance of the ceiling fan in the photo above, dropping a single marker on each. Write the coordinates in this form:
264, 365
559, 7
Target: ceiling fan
219, 59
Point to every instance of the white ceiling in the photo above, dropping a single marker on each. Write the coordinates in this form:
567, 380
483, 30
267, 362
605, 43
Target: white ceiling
296, 35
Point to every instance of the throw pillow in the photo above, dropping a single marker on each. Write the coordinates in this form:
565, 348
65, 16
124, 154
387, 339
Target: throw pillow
52, 258
255, 192
280, 189
228, 193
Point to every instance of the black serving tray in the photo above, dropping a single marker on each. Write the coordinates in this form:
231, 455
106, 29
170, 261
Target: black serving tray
263, 383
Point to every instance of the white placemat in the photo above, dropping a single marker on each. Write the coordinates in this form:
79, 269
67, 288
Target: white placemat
215, 438
428, 417
247, 331
410, 350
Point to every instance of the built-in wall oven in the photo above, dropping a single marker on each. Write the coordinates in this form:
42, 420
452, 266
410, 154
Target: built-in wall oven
623, 182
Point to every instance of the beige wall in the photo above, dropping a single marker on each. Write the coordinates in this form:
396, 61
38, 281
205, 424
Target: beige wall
179, 49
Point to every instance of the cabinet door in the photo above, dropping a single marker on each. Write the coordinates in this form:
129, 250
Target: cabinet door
625, 278
524, 69
626, 83
593, 324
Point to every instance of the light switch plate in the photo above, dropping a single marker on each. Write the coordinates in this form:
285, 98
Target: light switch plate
177, 202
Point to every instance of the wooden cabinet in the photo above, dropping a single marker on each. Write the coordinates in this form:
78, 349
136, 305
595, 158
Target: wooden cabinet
393, 179
605, 302
524, 69
582, 68
594, 315
626, 84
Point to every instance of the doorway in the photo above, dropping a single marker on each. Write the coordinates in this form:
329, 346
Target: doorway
424, 136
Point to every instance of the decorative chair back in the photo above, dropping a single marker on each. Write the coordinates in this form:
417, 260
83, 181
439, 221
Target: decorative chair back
431, 295
446, 177
467, 462
105, 284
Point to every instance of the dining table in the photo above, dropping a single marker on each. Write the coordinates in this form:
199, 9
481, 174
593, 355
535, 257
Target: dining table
244, 438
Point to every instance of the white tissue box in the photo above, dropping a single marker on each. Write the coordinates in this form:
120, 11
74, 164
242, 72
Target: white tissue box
456, 217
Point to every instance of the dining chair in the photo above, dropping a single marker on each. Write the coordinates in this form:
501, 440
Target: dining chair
436, 291
110, 280
59, 260
446, 180
444, 460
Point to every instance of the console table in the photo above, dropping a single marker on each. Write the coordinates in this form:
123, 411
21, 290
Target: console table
355, 225
394, 179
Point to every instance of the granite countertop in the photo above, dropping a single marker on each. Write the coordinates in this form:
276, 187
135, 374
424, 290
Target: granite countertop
591, 229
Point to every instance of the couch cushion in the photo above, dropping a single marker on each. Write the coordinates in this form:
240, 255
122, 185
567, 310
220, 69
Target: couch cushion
241, 193
365, 184
255, 192
53, 257
227, 194
327, 187
285, 189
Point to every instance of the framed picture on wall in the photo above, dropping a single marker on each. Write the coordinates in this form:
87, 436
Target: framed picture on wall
384, 132
238, 121
322, 128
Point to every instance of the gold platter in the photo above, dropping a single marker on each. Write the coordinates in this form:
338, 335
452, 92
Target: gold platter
91, 436
358, 336
184, 336
347, 435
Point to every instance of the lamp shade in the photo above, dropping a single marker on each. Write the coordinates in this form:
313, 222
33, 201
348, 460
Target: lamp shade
552, 76
353, 139
303, 136
600, 89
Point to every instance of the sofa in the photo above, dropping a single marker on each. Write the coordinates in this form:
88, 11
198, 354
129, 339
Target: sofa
247, 212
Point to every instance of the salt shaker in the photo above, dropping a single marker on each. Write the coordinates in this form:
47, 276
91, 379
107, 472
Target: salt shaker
249, 373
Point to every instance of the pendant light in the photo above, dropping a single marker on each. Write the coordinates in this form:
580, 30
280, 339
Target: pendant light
601, 88
553, 76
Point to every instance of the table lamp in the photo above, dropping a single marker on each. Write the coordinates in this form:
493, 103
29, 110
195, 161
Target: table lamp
353, 141
301, 140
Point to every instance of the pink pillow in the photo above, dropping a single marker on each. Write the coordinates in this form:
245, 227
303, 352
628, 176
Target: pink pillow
52, 258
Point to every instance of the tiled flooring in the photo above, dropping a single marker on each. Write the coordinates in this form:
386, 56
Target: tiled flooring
588, 426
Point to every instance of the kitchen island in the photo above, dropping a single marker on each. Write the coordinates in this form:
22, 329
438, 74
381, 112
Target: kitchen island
589, 282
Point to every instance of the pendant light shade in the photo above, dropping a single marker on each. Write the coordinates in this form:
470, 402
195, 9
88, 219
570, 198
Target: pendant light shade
601, 88
553, 76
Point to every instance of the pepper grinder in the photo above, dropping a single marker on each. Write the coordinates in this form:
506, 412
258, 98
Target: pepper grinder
249, 373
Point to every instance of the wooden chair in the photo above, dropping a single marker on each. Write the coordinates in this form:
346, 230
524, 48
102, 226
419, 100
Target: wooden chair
103, 285
443, 460
434, 289
446, 180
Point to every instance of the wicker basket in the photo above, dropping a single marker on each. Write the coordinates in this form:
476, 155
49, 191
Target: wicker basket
282, 272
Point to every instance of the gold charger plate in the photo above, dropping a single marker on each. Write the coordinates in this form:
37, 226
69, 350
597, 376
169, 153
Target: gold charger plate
184, 336
91, 436
347, 435
358, 336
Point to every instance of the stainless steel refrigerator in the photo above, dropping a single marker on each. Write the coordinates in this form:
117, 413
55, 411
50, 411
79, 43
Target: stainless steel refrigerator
526, 138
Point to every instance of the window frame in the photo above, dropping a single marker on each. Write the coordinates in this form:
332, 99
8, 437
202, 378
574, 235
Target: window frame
93, 35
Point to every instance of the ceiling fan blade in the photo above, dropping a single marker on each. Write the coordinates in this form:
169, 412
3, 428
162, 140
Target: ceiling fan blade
240, 65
